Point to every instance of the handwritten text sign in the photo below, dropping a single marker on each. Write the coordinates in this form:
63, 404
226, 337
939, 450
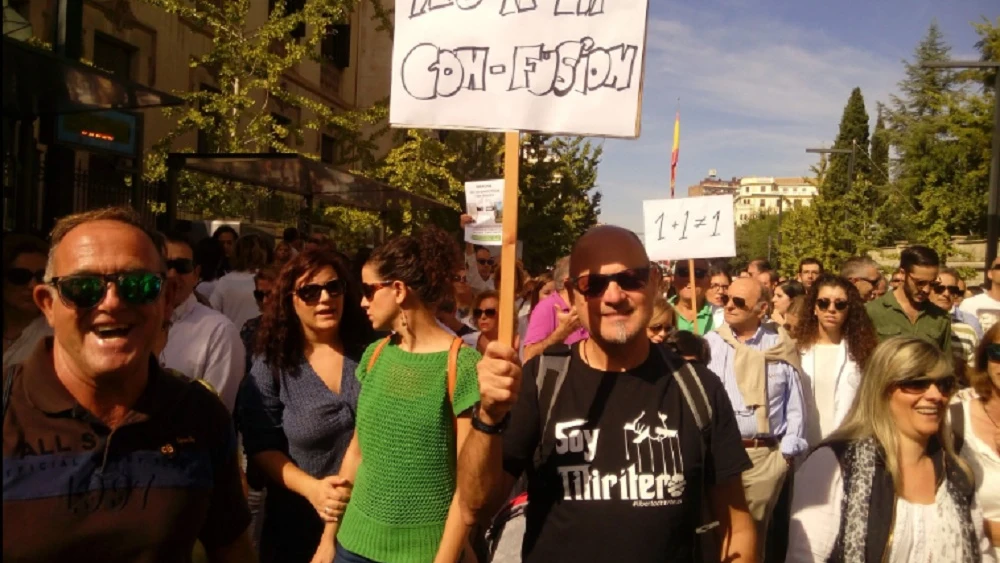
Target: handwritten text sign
692, 227
554, 66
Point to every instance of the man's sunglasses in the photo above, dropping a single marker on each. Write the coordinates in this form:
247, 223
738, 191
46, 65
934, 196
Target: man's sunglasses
23, 276
824, 304
368, 289
946, 385
921, 284
86, 291
181, 265
261, 295
683, 272
311, 292
739, 302
489, 313
993, 352
995, 267
487, 262
593, 285
952, 289
873, 282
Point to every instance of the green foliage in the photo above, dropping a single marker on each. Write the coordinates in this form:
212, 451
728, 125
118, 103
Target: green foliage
853, 133
757, 238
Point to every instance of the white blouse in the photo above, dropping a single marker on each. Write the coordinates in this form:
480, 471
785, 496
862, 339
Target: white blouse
985, 464
928, 533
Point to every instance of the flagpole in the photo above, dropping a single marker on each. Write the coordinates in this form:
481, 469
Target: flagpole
674, 158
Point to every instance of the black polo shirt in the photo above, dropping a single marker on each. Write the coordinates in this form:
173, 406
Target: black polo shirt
76, 490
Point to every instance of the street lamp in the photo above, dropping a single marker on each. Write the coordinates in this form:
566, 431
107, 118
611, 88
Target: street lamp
850, 163
992, 215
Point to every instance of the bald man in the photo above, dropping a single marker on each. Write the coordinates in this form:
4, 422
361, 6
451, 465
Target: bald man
759, 368
618, 428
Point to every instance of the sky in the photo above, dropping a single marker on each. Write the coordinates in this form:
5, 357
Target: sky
759, 81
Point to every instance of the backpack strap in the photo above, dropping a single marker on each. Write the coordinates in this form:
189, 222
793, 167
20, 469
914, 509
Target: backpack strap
378, 352
552, 370
8, 385
956, 412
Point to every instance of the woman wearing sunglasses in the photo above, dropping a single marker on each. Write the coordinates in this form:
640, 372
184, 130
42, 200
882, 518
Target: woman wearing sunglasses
975, 416
297, 407
486, 315
661, 324
836, 339
411, 422
888, 485
24, 258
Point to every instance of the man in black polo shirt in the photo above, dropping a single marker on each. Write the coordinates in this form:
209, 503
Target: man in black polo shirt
623, 473
107, 457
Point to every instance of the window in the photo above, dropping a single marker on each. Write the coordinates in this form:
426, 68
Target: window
291, 7
336, 46
284, 122
327, 149
762, 203
113, 55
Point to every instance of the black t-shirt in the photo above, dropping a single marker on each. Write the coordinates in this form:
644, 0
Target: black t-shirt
623, 476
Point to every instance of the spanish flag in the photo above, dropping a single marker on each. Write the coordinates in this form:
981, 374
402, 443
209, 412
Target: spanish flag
675, 153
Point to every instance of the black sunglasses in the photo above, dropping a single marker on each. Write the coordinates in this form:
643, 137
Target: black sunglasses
368, 289
946, 385
261, 295
311, 292
682, 272
824, 304
460, 279
489, 262
86, 291
993, 352
995, 267
23, 276
738, 301
490, 313
181, 265
593, 285
660, 328
952, 289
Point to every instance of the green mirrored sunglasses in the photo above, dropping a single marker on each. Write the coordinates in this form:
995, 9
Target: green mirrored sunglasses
86, 291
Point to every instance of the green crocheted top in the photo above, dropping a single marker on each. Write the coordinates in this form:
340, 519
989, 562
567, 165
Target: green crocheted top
406, 479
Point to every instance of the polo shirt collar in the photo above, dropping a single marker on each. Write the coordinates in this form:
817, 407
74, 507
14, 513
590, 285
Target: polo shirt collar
47, 393
184, 309
890, 301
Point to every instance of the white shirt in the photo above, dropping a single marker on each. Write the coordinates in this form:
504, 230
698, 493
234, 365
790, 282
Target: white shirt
206, 288
985, 308
476, 282
36, 330
923, 533
830, 379
233, 297
204, 344
984, 461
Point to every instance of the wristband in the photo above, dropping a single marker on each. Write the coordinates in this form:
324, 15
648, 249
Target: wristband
492, 429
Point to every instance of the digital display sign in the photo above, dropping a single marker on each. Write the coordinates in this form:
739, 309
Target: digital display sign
108, 131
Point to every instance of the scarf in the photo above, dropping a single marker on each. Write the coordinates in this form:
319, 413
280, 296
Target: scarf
750, 367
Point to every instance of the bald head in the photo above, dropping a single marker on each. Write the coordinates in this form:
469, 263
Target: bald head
747, 288
607, 242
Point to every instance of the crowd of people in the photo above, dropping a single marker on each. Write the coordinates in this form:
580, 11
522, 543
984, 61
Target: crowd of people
242, 399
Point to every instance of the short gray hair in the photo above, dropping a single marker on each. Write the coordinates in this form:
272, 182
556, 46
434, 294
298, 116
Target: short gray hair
855, 267
560, 273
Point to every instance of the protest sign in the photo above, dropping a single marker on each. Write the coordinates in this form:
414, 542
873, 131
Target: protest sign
692, 227
484, 203
554, 66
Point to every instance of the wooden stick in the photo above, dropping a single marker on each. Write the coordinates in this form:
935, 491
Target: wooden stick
508, 249
694, 298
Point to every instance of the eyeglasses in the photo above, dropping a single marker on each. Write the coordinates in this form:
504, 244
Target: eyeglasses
719, 287
952, 289
995, 267
23, 276
86, 291
181, 265
261, 295
739, 302
824, 304
593, 285
487, 262
993, 352
683, 272
488, 313
873, 282
369, 289
311, 292
460, 279
946, 385
660, 328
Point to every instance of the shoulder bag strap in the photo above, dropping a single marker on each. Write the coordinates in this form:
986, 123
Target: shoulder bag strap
8, 385
377, 352
549, 381
957, 414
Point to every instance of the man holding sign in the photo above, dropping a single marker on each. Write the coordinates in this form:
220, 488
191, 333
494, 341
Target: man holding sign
626, 457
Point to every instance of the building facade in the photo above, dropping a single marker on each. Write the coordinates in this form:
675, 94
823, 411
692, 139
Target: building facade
713, 185
764, 195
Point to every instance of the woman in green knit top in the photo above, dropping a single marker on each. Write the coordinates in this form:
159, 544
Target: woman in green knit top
402, 460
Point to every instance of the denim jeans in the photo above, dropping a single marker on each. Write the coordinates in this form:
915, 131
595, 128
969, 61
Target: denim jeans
344, 556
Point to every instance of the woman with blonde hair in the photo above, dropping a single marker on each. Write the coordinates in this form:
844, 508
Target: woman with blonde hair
661, 324
975, 417
889, 475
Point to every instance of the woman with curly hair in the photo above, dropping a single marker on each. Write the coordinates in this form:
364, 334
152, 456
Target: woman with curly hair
836, 338
418, 388
297, 408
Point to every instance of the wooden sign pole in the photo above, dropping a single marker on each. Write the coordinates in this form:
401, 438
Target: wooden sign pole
694, 298
508, 249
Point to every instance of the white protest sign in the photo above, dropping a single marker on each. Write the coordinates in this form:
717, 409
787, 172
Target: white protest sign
484, 203
555, 66
690, 227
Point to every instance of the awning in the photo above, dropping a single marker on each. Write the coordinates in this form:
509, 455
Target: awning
37, 82
296, 174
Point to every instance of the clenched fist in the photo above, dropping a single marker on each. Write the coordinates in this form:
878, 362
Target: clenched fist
499, 382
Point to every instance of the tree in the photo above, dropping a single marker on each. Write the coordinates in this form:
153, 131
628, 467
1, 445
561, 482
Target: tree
880, 149
853, 131
248, 66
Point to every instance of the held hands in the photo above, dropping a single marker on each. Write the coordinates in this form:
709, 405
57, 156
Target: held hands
499, 382
329, 496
